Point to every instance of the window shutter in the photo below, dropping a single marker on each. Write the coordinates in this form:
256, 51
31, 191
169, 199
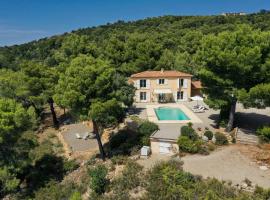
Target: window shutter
185, 83
137, 96
157, 81
178, 83
165, 81
175, 96
148, 96
185, 95
137, 85
147, 83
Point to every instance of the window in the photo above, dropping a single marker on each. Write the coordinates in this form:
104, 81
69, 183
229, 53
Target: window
143, 96
161, 81
180, 95
142, 83
181, 82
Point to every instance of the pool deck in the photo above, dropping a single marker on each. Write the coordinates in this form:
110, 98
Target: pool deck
151, 114
247, 120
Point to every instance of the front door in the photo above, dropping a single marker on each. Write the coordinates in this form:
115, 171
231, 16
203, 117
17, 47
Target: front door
161, 97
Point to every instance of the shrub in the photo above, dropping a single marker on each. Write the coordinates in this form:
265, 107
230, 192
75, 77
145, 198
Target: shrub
98, 180
145, 129
189, 124
130, 177
76, 196
119, 160
203, 149
221, 139
70, 165
209, 134
189, 132
187, 145
211, 147
264, 134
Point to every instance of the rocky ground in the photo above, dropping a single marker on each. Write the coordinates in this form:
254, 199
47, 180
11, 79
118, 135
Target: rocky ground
238, 164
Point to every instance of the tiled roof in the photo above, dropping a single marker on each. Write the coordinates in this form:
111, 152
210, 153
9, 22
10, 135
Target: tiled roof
155, 74
196, 84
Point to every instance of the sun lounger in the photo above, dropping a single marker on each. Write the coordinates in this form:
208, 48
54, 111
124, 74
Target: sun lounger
199, 110
85, 136
92, 135
78, 136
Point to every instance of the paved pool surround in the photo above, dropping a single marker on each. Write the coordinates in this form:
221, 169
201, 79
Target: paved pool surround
151, 114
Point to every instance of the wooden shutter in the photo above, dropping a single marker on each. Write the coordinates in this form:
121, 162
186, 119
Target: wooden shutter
147, 96
185, 83
165, 81
175, 96
137, 84
184, 95
147, 83
178, 83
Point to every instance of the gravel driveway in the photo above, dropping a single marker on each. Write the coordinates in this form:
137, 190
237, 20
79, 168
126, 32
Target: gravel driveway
227, 164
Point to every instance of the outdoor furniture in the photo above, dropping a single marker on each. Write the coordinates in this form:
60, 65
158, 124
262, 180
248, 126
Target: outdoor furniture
196, 98
199, 110
78, 136
85, 136
92, 136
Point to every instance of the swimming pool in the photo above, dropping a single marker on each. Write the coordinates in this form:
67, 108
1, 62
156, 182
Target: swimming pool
167, 113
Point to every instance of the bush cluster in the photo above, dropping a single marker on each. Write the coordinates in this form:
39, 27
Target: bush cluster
189, 132
190, 146
264, 134
145, 130
189, 141
98, 180
221, 139
209, 134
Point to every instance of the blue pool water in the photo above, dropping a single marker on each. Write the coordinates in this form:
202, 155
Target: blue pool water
166, 113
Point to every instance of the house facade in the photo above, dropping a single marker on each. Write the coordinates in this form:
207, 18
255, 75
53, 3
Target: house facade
161, 86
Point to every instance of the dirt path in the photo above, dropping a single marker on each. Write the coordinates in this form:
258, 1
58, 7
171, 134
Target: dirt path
227, 164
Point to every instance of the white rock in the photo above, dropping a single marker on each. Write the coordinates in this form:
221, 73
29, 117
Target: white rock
244, 185
205, 138
263, 167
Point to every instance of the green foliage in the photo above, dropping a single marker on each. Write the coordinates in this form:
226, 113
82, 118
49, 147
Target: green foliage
70, 165
258, 96
130, 179
189, 132
209, 134
8, 182
98, 180
91, 65
119, 160
264, 134
188, 145
221, 139
107, 113
76, 196
145, 130
54, 190
231, 54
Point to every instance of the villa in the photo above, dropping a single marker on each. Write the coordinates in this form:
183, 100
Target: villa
175, 88
164, 86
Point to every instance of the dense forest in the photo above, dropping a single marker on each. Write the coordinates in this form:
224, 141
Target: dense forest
85, 72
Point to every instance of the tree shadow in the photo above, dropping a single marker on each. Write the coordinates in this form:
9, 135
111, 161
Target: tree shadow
215, 118
250, 122
46, 169
122, 143
138, 111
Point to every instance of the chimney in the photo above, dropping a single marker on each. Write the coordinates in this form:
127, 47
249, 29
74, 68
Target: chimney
162, 70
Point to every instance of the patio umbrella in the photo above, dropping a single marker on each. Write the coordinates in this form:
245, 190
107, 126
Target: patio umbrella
196, 98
